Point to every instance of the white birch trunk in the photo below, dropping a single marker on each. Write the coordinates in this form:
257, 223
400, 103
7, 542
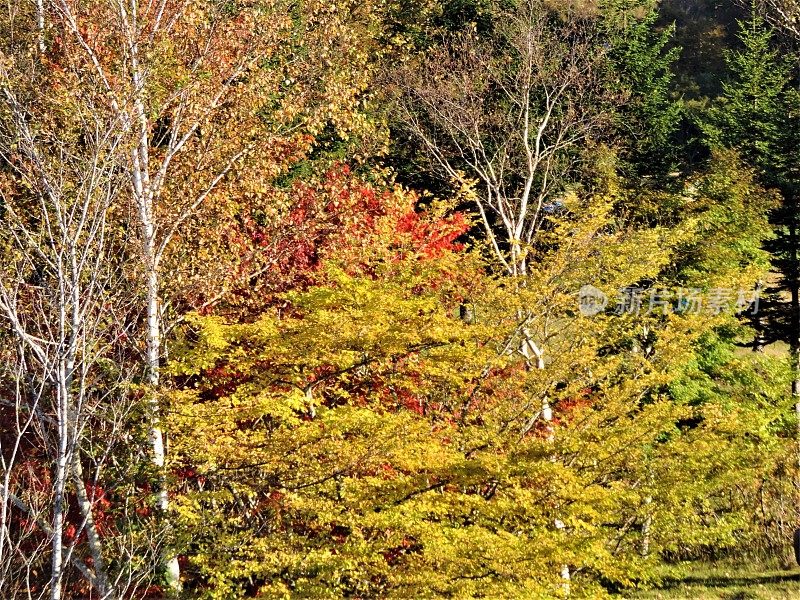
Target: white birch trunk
40, 25
171, 566
56, 567
92, 535
145, 195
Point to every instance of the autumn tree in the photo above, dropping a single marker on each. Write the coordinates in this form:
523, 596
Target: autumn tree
194, 95
364, 395
366, 425
61, 298
509, 116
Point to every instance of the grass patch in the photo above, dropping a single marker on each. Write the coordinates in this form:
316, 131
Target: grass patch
709, 582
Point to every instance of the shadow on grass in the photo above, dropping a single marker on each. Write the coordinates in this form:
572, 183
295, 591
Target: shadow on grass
719, 581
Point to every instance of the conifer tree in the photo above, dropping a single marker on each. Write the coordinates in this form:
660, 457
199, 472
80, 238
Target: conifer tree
752, 115
642, 58
755, 116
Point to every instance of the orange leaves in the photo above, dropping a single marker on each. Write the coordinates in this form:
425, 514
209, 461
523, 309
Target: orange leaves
431, 239
336, 217
387, 223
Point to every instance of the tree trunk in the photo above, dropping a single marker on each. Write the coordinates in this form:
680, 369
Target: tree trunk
92, 535
172, 569
56, 567
759, 322
59, 484
40, 25
145, 195
646, 526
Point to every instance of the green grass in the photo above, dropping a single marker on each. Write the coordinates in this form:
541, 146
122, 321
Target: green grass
725, 583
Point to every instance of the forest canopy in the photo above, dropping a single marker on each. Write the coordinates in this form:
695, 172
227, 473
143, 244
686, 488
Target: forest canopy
385, 299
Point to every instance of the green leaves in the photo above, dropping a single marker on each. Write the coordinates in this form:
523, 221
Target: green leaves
753, 115
642, 70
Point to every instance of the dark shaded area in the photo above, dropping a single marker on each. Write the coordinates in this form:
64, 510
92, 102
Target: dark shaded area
717, 581
703, 29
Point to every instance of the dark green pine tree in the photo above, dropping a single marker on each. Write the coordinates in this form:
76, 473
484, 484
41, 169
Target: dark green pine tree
752, 113
641, 61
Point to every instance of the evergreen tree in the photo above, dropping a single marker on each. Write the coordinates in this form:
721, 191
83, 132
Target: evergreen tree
642, 60
752, 114
755, 116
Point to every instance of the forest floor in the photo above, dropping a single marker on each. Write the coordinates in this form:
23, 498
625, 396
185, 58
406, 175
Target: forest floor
725, 583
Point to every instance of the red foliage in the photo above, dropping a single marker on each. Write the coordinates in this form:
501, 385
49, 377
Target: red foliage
567, 407
339, 217
394, 556
101, 507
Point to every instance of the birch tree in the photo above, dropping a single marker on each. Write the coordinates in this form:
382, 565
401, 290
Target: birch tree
783, 14
509, 115
59, 302
193, 95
